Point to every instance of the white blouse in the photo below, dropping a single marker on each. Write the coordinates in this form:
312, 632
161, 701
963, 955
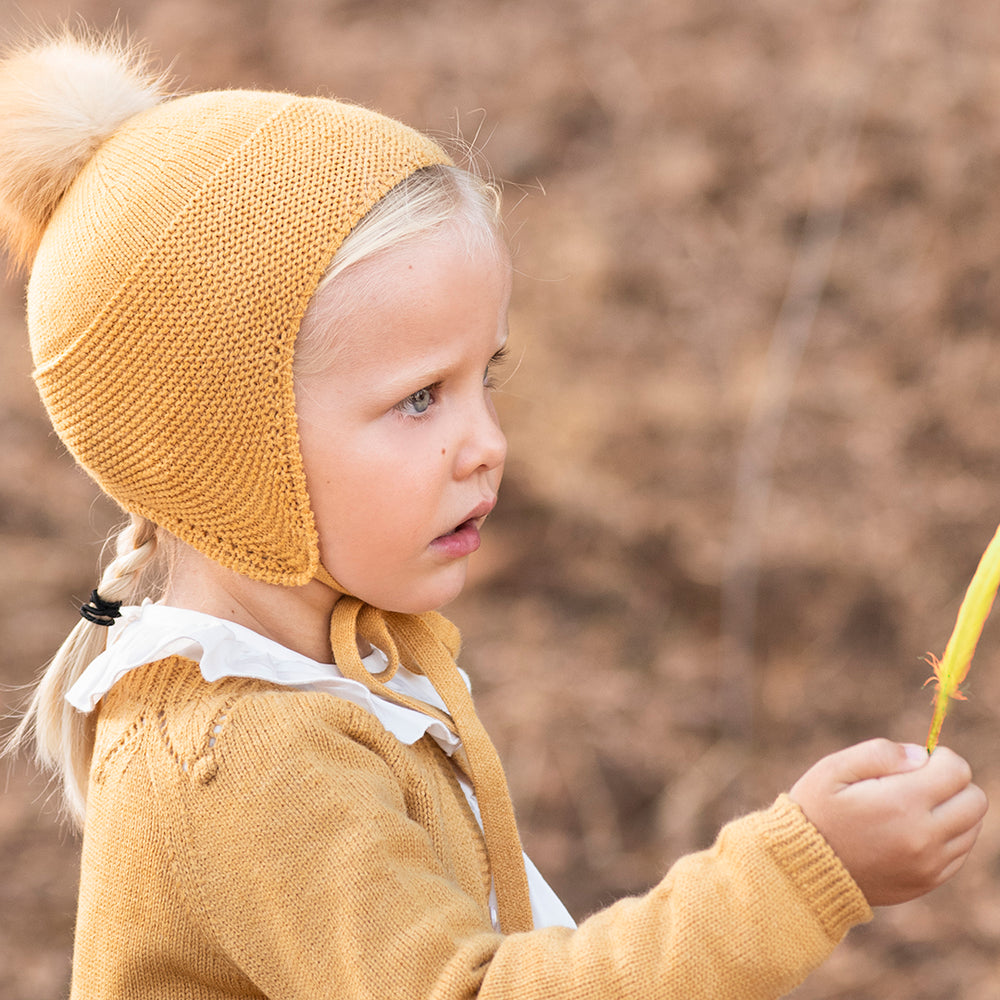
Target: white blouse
151, 632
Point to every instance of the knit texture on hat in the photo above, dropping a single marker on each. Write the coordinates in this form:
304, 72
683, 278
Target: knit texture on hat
166, 295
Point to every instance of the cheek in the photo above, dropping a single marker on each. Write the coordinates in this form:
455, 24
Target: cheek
384, 484
376, 495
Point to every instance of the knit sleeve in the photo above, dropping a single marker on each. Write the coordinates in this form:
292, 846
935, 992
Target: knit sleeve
305, 851
747, 919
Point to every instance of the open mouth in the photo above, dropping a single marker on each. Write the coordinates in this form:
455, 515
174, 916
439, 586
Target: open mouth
464, 538
461, 541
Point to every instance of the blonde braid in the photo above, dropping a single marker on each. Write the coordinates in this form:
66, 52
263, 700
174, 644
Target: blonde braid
64, 737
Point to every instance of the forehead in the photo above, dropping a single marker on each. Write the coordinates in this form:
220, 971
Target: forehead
424, 297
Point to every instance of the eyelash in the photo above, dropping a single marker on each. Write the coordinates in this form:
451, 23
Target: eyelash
497, 361
490, 381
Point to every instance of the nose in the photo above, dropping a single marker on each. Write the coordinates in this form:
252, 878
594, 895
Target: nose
483, 443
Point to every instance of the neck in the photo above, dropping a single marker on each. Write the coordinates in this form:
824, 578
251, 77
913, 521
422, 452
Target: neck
296, 617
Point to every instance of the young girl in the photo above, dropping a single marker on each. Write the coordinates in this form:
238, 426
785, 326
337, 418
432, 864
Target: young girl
268, 327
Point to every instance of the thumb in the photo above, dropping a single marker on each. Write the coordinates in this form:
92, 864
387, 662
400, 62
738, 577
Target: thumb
878, 758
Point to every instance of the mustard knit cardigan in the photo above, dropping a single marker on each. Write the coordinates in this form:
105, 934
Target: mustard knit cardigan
245, 840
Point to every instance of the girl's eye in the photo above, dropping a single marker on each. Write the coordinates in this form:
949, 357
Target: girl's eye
490, 375
419, 403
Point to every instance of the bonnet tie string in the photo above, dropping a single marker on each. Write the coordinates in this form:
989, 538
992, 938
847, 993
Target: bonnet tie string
428, 644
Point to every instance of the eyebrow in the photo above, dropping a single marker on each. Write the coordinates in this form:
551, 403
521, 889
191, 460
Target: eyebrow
431, 376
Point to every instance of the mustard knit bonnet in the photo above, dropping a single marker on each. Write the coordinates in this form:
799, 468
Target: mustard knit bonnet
167, 289
174, 245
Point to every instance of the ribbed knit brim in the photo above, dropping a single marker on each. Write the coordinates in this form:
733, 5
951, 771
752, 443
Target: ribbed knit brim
165, 299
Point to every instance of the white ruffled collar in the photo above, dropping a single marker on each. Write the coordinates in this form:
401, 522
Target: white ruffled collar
151, 632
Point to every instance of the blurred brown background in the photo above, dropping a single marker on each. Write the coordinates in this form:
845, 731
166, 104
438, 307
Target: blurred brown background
754, 425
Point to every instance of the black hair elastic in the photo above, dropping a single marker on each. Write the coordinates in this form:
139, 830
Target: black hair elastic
100, 611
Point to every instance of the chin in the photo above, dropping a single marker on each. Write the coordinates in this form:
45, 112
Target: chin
436, 595
409, 593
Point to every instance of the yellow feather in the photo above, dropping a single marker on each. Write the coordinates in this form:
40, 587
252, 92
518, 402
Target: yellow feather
952, 668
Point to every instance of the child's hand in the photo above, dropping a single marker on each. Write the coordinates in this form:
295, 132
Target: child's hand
901, 822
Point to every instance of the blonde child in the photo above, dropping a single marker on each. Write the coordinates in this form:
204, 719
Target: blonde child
268, 327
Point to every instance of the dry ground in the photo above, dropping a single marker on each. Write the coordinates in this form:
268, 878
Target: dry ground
753, 428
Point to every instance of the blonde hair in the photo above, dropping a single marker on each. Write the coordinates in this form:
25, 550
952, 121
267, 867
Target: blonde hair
423, 204
64, 737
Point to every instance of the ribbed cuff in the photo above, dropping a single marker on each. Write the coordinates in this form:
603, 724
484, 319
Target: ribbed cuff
811, 864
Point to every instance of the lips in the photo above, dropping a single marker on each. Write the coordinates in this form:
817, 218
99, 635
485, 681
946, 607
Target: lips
480, 511
464, 539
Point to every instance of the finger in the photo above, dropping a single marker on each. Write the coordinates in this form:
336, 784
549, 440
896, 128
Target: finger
962, 845
946, 775
876, 758
958, 852
961, 811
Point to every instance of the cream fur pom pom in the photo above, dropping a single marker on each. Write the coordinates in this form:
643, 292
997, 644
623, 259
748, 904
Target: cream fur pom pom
59, 100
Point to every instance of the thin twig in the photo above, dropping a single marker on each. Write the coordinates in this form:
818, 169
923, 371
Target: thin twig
755, 464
